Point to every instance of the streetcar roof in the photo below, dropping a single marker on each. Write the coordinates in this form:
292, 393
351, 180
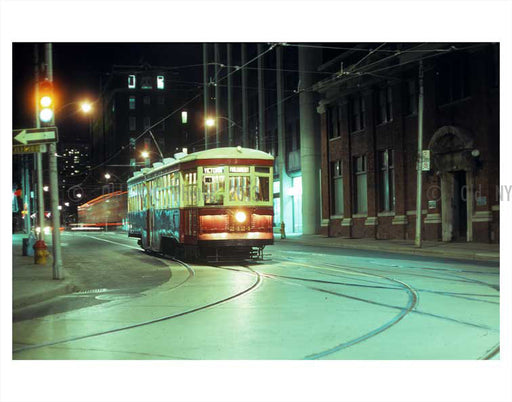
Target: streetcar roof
228, 153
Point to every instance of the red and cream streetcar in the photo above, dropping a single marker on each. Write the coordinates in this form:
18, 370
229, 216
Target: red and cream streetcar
215, 204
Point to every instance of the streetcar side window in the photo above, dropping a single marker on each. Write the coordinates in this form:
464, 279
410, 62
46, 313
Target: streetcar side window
175, 190
190, 189
262, 188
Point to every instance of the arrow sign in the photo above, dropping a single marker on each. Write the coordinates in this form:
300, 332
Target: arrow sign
32, 136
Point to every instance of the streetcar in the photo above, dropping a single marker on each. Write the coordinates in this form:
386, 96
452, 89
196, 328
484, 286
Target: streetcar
108, 211
214, 204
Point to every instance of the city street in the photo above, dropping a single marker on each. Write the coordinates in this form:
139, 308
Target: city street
304, 302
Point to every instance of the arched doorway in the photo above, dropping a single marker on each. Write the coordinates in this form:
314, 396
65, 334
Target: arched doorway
451, 148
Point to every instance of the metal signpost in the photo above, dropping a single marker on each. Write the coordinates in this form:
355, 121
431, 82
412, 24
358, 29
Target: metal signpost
37, 140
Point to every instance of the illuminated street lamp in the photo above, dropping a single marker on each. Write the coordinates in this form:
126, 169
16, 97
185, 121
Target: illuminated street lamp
86, 107
144, 154
107, 176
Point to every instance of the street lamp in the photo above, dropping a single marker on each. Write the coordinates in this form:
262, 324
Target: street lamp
210, 121
107, 176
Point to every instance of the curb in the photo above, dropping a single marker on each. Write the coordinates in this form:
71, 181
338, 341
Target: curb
475, 256
43, 296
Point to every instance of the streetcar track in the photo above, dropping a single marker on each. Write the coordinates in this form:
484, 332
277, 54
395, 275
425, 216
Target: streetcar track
153, 321
404, 311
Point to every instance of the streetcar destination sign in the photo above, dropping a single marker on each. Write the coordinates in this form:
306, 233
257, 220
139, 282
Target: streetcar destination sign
28, 149
31, 136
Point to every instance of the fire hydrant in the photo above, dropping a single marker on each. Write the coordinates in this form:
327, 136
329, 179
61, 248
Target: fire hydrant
283, 231
40, 252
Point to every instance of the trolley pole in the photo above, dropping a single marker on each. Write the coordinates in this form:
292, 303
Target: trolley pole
419, 165
54, 187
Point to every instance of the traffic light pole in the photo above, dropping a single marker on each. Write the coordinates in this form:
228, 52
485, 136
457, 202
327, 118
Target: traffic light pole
39, 156
58, 272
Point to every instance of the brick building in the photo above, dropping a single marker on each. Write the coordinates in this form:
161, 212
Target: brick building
369, 134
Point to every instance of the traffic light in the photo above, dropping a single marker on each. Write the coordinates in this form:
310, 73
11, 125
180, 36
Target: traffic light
46, 103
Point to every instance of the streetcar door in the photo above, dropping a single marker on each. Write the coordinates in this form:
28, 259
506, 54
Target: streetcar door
150, 215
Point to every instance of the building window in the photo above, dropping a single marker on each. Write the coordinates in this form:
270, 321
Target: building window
360, 194
146, 83
357, 113
147, 122
453, 80
131, 81
386, 180
412, 97
334, 121
132, 123
337, 187
160, 100
160, 82
131, 102
385, 105
147, 100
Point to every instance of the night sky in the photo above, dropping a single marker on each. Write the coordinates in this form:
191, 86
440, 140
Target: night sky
79, 67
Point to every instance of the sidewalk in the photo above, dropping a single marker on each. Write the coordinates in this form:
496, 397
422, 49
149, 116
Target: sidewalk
464, 251
34, 283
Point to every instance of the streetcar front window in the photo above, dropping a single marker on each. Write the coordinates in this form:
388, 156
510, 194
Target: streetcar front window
239, 188
213, 189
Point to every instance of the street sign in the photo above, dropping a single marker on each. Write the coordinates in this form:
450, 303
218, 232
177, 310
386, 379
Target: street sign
28, 149
425, 163
32, 136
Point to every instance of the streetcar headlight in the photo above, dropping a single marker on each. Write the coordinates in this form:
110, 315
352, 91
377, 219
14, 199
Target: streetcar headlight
240, 217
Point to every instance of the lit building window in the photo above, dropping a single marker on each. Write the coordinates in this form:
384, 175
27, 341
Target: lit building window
160, 82
337, 187
386, 180
131, 102
131, 81
360, 204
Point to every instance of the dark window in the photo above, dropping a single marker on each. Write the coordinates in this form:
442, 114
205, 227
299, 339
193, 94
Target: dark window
146, 83
453, 80
357, 113
132, 123
333, 121
337, 187
160, 100
147, 100
385, 105
386, 180
147, 122
412, 97
360, 202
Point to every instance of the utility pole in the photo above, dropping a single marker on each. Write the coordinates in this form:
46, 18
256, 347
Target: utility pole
261, 99
419, 166
54, 185
205, 93
245, 106
230, 97
216, 57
